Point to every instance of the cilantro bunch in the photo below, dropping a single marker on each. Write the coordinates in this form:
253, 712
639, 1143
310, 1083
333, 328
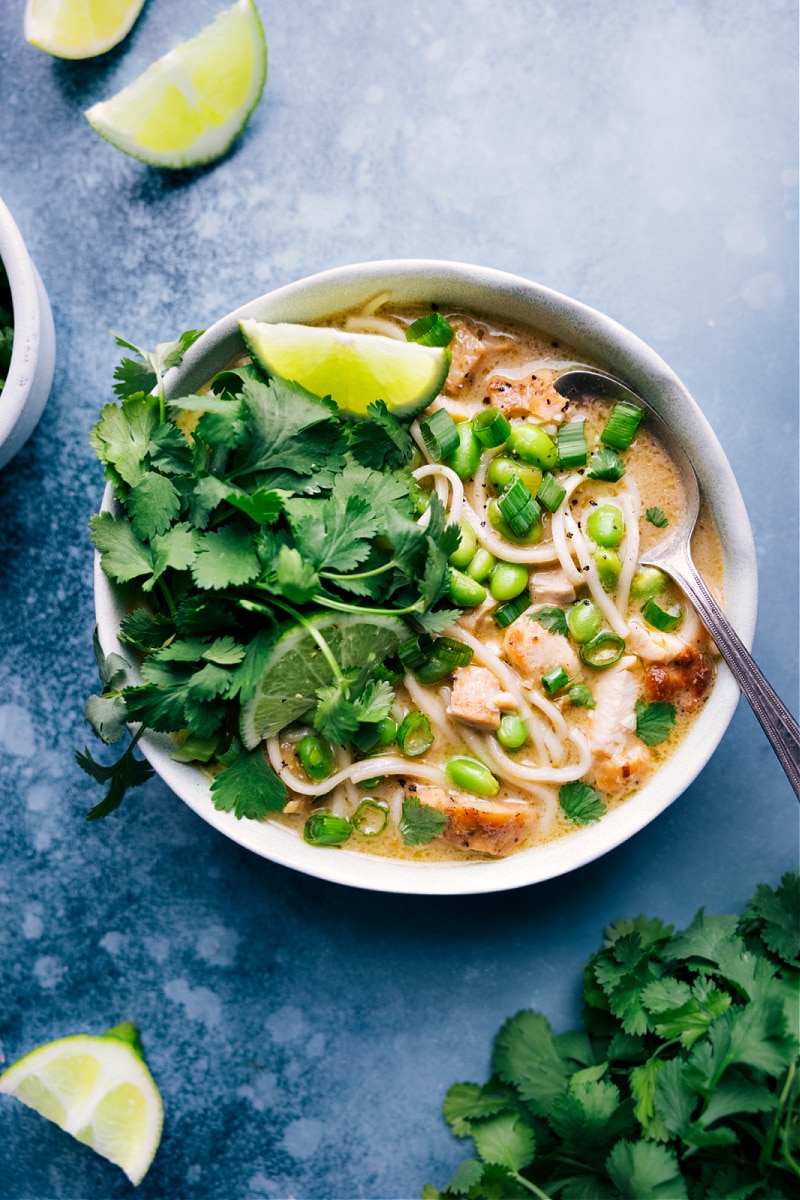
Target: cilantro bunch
239, 513
682, 1085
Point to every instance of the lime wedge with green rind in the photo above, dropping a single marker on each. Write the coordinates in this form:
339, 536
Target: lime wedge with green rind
79, 28
297, 667
354, 369
99, 1090
188, 107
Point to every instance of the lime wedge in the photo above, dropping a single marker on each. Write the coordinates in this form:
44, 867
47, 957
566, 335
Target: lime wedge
354, 369
79, 28
297, 667
188, 107
99, 1090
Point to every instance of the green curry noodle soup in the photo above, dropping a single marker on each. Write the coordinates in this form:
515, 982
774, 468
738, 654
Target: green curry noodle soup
405, 613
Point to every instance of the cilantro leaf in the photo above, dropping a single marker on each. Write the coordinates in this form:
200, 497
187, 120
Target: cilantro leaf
123, 434
420, 823
654, 722
525, 1056
465, 1102
381, 441
122, 555
775, 915
505, 1139
551, 618
466, 1176
279, 412
580, 802
645, 1171
657, 517
606, 464
296, 578
153, 504
133, 376
225, 557
126, 772
249, 788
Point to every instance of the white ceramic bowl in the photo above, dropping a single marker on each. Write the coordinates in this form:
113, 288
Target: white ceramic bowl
33, 357
613, 348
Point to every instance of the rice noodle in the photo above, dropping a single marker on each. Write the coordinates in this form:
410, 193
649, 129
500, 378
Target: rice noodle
355, 772
591, 577
364, 324
631, 505
438, 472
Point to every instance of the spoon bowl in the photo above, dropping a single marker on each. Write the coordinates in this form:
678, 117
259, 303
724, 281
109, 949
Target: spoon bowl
674, 556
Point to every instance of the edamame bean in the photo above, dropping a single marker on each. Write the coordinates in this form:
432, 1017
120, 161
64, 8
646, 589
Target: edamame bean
503, 469
467, 455
647, 583
482, 565
472, 777
508, 580
512, 732
463, 590
606, 525
609, 568
584, 620
530, 443
463, 554
316, 758
387, 731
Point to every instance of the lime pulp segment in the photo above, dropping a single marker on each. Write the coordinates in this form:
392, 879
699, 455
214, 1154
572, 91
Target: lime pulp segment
99, 1090
354, 369
297, 667
79, 28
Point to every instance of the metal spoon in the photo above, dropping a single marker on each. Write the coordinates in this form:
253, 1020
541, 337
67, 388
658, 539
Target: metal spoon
674, 556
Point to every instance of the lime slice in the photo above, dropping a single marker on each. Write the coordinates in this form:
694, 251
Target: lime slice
79, 28
188, 107
99, 1090
354, 369
296, 668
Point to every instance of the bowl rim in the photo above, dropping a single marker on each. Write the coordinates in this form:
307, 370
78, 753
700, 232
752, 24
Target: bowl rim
31, 369
505, 296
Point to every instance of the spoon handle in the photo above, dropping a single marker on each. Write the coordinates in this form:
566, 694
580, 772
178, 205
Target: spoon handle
774, 717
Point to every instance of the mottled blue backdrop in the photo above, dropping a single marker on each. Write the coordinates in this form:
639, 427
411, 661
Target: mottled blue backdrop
641, 157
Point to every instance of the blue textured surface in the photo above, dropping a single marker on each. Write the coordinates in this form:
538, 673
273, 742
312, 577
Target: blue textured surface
639, 157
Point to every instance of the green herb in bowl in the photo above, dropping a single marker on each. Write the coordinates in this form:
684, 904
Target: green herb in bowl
6, 326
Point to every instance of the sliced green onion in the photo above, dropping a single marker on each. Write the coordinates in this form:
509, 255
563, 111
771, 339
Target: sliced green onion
315, 756
439, 434
518, 507
390, 670
448, 654
571, 444
603, 650
415, 735
550, 493
324, 829
508, 613
554, 680
374, 781
371, 817
581, 697
415, 651
621, 425
491, 427
661, 618
430, 330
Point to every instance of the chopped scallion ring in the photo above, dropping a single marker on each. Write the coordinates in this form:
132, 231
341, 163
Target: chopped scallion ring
491, 427
415, 735
508, 613
554, 680
430, 330
415, 651
550, 493
325, 829
621, 425
371, 817
448, 654
665, 620
518, 507
603, 650
571, 445
439, 434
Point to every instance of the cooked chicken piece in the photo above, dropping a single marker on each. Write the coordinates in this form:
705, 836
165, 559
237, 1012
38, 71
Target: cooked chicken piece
478, 621
683, 681
530, 397
476, 698
533, 650
467, 350
618, 755
655, 646
487, 826
551, 587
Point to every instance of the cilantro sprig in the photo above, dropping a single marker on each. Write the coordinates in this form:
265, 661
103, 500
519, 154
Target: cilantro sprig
239, 513
683, 1082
